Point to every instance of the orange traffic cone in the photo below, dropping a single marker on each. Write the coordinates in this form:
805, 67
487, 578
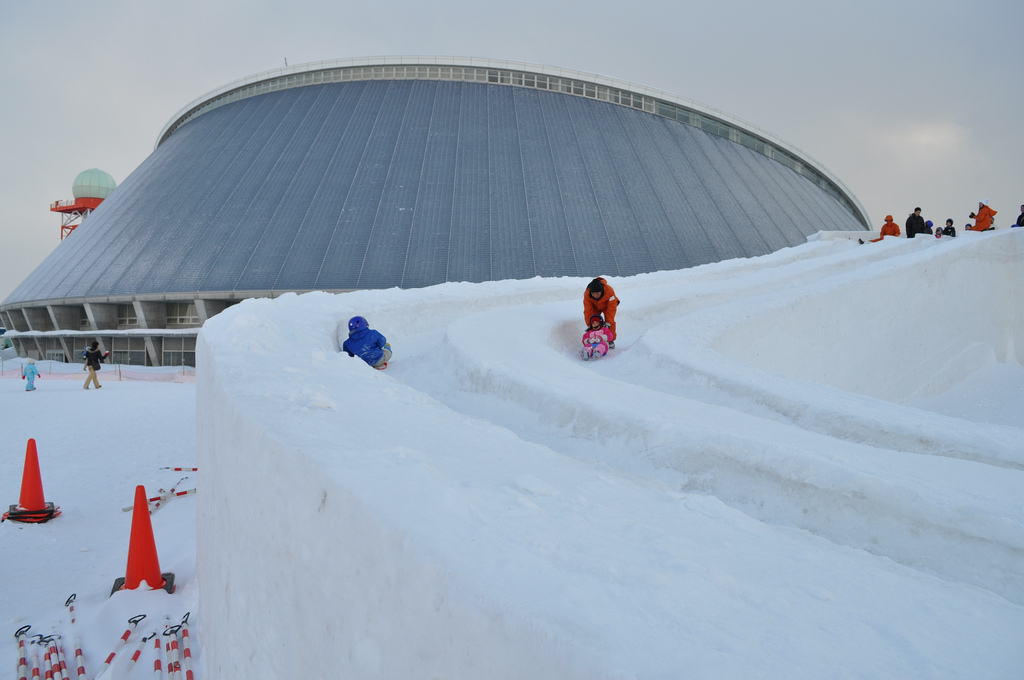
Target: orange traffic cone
143, 565
32, 505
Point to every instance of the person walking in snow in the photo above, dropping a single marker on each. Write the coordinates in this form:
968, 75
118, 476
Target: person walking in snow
600, 298
29, 373
890, 228
367, 344
598, 338
93, 358
983, 218
915, 223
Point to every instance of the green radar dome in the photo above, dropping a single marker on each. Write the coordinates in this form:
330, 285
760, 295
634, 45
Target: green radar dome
93, 183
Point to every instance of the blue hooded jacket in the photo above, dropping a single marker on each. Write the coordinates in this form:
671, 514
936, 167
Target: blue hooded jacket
366, 344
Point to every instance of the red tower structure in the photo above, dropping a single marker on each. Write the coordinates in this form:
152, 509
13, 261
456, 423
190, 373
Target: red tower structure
73, 211
90, 188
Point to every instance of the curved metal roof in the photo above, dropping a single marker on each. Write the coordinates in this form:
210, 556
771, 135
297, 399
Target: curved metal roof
379, 182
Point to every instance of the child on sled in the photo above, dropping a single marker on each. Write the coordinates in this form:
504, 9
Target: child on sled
597, 339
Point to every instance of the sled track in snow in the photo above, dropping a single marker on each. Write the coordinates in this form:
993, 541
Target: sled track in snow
853, 469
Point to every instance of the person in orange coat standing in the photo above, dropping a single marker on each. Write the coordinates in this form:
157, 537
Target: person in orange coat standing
600, 298
983, 218
890, 228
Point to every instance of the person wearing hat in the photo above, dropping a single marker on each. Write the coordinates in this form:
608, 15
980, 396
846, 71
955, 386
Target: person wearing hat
1020, 219
597, 340
29, 373
949, 229
890, 228
93, 357
915, 223
599, 298
367, 344
983, 218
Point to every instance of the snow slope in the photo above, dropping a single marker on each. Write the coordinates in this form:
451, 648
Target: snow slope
747, 486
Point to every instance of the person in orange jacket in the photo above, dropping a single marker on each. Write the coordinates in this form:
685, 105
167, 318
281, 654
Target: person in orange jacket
983, 218
890, 228
600, 298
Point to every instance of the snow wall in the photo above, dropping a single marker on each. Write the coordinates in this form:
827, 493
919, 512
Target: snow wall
942, 318
309, 550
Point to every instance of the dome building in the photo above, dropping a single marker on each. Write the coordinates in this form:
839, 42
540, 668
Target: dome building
408, 172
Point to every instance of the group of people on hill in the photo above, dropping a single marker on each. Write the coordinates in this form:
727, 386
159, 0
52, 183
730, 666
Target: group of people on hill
599, 306
984, 220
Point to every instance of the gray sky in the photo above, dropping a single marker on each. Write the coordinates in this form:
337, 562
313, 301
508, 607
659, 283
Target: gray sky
908, 103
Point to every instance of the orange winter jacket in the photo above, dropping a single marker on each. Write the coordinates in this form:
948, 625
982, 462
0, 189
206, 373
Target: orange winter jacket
607, 305
890, 228
983, 220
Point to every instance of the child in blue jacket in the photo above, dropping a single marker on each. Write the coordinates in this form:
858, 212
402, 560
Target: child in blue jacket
29, 373
367, 344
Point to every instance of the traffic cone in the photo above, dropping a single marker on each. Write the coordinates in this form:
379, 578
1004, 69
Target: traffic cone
32, 505
143, 564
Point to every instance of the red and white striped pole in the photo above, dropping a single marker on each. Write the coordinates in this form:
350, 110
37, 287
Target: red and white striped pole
79, 659
169, 660
155, 501
22, 652
63, 661
158, 673
35, 665
51, 662
132, 622
173, 658
181, 469
138, 652
186, 648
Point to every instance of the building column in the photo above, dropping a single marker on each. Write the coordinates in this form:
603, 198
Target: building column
208, 308
36, 319
66, 318
151, 315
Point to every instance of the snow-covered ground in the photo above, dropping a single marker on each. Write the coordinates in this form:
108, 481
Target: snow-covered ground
802, 465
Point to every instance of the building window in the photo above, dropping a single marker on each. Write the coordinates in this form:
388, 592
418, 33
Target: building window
179, 352
126, 317
182, 314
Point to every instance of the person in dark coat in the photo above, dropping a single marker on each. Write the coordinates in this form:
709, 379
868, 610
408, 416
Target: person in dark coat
93, 357
367, 344
915, 223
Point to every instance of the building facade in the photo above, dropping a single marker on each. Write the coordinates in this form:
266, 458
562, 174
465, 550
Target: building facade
409, 172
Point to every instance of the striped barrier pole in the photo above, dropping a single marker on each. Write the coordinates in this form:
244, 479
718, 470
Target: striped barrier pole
180, 469
20, 635
79, 657
48, 671
138, 652
158, 672
35, 664
132, 623
63, 661
155, 501
173, 658
70, 604
46, 668
169, 661
79, 660
186, 648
